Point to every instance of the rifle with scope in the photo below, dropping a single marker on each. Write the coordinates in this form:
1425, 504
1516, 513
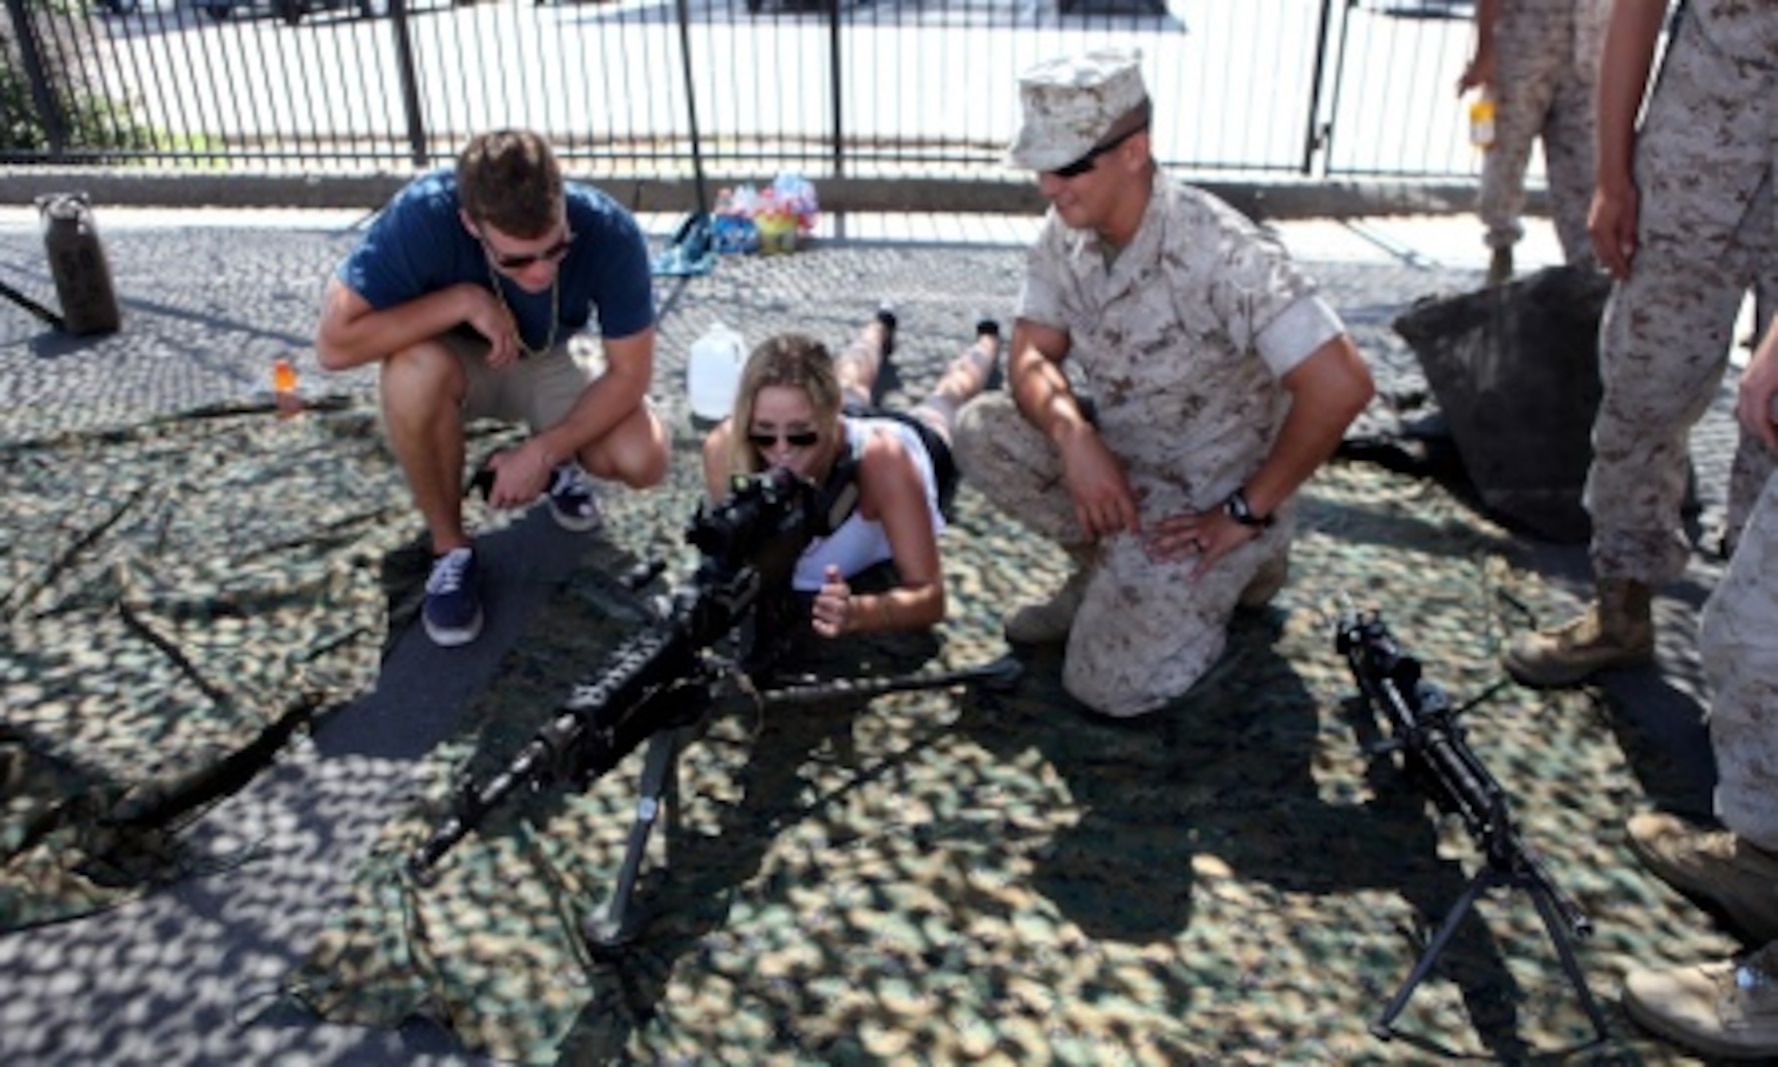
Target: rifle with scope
1435, 753
659, 685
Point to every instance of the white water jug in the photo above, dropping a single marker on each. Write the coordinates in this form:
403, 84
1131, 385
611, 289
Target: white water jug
713, 372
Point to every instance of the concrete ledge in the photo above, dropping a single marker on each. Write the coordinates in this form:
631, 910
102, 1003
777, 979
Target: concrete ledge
1275, 198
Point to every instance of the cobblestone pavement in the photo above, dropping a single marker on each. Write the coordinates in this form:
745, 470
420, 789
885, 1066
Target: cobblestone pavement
210, 299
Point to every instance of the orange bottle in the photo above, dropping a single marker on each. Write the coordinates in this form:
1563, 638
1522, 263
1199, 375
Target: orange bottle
1481, 121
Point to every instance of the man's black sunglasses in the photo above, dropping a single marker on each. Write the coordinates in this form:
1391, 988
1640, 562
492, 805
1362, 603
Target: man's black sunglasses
793, 438
1086, 163
525, 259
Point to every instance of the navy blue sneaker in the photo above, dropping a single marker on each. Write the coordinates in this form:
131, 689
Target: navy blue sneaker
571, 500
453, 611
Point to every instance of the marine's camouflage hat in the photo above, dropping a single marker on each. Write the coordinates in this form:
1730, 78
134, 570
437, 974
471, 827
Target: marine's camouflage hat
1072, 103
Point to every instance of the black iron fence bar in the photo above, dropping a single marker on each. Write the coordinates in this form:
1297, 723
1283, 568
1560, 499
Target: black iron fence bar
841, 90
691, 106
1325, 133
1313, 129
400, 30
30, 50
836, 98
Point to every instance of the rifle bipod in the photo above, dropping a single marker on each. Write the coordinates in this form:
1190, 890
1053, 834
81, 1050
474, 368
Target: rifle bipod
1498, 872
624, 919
1424, 729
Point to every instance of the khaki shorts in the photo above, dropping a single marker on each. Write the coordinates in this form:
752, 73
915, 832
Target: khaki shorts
537, 390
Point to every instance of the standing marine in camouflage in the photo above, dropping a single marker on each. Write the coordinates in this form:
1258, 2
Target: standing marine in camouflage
1220, 382
1539, 59
1730, 1009
1685, 233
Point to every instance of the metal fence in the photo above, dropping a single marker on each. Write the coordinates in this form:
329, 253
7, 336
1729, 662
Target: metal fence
651, 89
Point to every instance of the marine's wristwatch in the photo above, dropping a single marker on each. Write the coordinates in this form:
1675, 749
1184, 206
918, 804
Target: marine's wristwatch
1242, 512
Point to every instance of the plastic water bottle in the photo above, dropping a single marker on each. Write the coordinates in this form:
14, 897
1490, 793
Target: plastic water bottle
713, 372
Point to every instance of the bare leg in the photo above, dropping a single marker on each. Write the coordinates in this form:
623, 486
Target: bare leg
634, 452
966, 376
857, 366
422, 392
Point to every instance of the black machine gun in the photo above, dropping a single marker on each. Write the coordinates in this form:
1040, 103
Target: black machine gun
1425, 731
662, 683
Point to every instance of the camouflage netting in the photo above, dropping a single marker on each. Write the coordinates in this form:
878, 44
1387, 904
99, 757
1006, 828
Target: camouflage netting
170, 620
952, 877
927, 877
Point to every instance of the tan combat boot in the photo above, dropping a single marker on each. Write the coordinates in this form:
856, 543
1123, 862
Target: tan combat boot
1715, 865
1727, 1009
1616, 630
1047, 622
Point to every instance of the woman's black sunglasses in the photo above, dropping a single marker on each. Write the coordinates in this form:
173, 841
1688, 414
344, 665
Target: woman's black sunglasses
794, 438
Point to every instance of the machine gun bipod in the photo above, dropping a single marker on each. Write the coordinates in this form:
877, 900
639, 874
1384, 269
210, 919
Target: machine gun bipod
624, 918
661, 685
1425, 732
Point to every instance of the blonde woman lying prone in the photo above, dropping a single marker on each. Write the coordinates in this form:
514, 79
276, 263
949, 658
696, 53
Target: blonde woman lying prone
800, 408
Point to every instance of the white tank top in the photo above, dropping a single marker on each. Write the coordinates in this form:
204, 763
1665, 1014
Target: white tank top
859, 542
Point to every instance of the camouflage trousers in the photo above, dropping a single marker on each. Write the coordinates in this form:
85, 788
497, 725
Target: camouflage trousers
1145, 631
1738, 638
1544, 83
1707, 231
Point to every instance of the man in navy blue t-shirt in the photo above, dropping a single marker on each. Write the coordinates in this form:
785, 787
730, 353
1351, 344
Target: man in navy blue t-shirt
467, 288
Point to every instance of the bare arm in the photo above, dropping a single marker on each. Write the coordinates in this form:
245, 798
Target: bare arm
716, 460
1759, 385
609, 400
1328, 390
891, 492
1481, 65
1103, 500
1629, 49
352, 333
629, 369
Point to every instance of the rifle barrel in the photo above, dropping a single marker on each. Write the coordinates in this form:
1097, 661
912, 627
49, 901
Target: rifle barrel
580, 740
1391, 682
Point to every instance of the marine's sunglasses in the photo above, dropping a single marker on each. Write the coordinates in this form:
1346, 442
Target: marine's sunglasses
793, 438
524, 259
1086, 163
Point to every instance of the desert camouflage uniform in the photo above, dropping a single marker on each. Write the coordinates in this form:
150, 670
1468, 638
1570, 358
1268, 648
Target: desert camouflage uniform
1546, 72
1739, 642
1182, 341
1706, 233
